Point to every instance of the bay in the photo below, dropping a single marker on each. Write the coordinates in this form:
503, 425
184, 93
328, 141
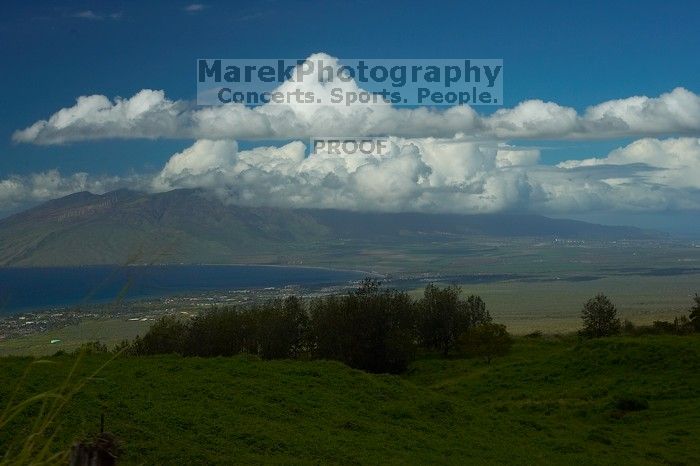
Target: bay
25, 289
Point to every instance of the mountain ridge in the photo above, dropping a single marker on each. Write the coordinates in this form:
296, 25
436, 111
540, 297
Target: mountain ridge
193, 226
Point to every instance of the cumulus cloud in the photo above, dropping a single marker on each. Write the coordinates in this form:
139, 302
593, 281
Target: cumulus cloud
456, 175
150, 114
20, 191
450, 160
677, 161
443, 175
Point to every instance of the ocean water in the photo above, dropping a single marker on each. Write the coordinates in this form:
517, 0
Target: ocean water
24, 289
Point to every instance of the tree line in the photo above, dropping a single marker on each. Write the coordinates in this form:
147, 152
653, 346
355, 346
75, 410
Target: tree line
600, 319
370, 328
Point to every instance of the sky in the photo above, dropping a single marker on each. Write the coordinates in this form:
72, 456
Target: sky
600, 117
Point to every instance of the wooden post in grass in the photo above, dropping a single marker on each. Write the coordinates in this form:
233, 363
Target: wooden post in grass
100, 451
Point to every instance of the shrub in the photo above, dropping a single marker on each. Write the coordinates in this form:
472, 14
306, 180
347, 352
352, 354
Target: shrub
680, 326
695, 313
599, 317
487, 341
631, 404
125, 347
683, 326
92, 347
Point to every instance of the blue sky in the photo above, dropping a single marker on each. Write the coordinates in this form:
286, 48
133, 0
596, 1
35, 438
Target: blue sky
576, 54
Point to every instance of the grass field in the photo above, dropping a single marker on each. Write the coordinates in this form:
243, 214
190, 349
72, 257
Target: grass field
551, 401
107, 331
555, 306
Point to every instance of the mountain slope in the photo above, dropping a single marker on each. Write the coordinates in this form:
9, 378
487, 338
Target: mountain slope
190, 226
129, 227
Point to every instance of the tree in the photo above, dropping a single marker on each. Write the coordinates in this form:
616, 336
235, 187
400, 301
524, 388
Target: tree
223, 332
282, 329
166, 335
441, 322
370, 328
486, 340
476, 313
599, 317
444, 316
695, 313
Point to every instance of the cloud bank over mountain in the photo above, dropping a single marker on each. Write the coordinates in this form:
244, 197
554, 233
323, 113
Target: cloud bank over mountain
454, 175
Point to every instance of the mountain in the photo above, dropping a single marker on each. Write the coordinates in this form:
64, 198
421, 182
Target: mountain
192, 226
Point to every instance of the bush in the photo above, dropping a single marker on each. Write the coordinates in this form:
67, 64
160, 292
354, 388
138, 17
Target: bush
92, 347
631, 404
124, 347
679, 326
599, 317
486, 341
695, 313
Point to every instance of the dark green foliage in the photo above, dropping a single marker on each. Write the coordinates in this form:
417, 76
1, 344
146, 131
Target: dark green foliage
444, 316
369, 329
629, 403
166, 335
222, 332
695, 313
475, 311
599, 317
282, 329
680, 326
125, 347
92, 347
486, 341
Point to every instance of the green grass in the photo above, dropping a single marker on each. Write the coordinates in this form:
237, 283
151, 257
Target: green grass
108, 331
641, 299
550, 401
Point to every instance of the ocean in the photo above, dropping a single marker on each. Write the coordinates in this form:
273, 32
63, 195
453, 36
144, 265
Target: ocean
25, 289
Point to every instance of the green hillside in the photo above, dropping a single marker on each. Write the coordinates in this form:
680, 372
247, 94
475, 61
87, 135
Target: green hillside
551, 401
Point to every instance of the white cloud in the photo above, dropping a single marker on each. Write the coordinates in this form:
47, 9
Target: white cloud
677, 161
92, 16
149, 114
457, 175
451, 160
20, 191
194, 7
444, 175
